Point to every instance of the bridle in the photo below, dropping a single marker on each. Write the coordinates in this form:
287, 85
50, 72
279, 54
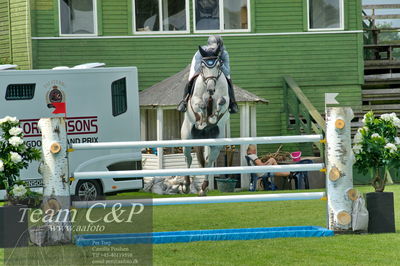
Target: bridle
206, 62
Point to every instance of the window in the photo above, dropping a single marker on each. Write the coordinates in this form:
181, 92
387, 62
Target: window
160, 16
325, 14
221, 15
78, 17
20, 92
118, 97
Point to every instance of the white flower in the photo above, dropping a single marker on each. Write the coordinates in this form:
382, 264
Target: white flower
386, 117
1, 166
9, 119
15, 141
357, 148
19, 191
397, 140
396, 122
357, 137
364, 118
15, 131
375, 135
15, 157
391, 147
392, 117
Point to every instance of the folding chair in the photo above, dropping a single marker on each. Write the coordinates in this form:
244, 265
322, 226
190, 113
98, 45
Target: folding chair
301, 178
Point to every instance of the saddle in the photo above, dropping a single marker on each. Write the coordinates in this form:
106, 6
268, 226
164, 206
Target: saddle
191, 83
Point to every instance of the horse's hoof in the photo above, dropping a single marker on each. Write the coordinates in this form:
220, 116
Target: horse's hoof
200, 126
202, 193
212, 120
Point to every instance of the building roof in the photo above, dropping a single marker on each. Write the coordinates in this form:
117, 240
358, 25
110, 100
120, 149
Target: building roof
169, 92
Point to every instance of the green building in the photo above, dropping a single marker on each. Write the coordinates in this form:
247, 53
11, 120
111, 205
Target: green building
319, 43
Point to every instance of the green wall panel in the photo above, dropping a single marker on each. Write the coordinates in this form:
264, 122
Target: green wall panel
266, 16
322, 63
5, 40
15, 33
318, 62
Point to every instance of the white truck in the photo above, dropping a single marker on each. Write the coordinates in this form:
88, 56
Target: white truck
102, 104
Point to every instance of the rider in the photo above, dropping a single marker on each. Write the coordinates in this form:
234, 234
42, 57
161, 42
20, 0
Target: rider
213, 40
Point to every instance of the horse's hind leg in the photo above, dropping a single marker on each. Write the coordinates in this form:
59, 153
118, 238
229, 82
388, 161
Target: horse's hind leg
204, 187
212, 157
188, 157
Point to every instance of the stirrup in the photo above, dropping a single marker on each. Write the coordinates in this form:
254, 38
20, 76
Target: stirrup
233, 108
182, 106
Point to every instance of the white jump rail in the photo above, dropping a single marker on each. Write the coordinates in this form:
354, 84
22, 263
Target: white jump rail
201, 200
202, 171
197, 142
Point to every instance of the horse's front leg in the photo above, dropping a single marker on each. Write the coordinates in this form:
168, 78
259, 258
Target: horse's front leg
212, 157
199, 112
214, 118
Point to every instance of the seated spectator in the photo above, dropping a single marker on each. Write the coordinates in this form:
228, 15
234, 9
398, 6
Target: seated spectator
255, 161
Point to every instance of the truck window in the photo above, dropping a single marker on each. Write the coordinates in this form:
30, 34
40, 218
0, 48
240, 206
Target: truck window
119, 98
20, 91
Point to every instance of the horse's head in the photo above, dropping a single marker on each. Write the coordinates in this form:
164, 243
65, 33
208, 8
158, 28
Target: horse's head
210, 67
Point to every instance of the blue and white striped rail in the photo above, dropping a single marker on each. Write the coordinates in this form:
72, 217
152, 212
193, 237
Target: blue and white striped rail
201, 200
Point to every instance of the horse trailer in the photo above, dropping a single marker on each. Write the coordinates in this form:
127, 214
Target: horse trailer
102, 104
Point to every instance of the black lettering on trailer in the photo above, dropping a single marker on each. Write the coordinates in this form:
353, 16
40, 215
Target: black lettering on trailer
74, 140
34, 143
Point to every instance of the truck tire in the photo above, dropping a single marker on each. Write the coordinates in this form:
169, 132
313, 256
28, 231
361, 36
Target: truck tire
87, 190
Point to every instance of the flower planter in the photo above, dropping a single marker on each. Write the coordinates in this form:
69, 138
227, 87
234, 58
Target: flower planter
380, 206
13, 227
29, 201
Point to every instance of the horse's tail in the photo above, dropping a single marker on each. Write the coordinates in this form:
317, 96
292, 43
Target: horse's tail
200, 156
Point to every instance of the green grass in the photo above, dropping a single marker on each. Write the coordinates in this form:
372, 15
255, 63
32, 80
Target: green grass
382, 249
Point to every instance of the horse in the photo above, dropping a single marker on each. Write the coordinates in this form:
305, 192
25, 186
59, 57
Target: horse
207, 113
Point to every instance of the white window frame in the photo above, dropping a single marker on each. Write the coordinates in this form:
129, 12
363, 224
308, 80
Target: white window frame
221, 20
95, 25
341, 19
160, 21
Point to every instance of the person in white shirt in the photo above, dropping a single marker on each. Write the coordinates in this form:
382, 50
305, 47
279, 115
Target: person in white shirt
255, 161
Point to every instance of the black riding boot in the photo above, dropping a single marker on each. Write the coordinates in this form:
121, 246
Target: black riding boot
183, 104
233, 107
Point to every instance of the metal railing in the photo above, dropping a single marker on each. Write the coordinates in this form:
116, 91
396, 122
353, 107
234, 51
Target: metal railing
373, 47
